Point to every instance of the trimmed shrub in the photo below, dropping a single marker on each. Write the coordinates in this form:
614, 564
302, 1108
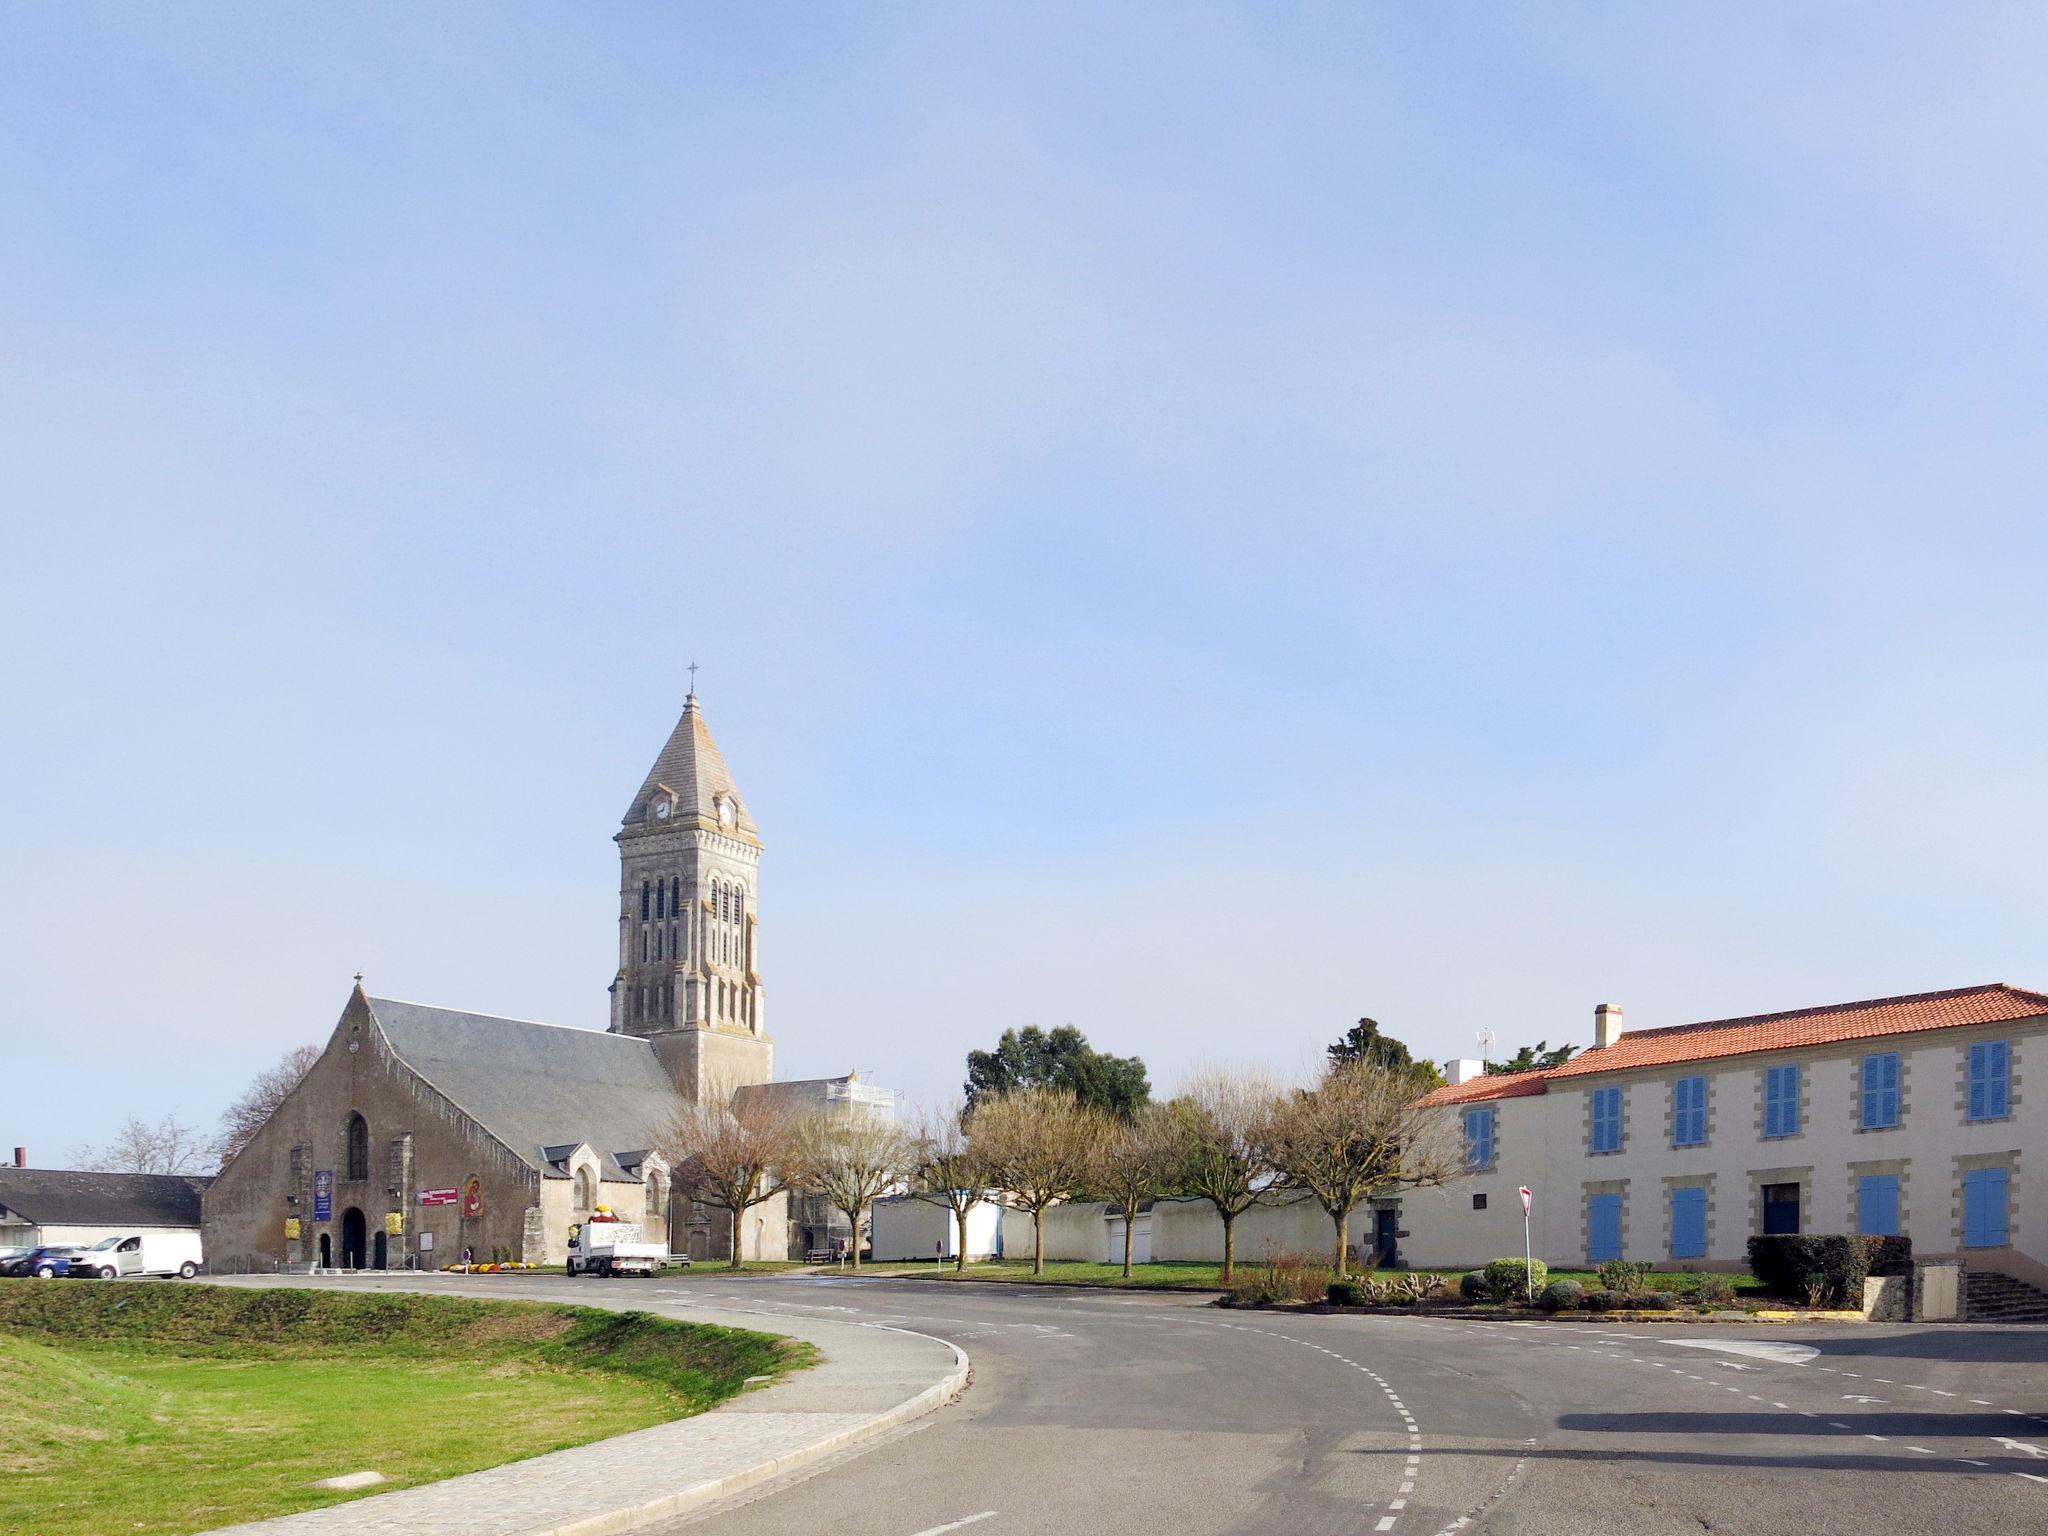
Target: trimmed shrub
1653, 1301
1474, 1287
1346, 1293
1285, 1277
1623, 1277
1514, 1279
1561, 1296
1713, 1291
1824, 1269
1889, 1255
1598, 1301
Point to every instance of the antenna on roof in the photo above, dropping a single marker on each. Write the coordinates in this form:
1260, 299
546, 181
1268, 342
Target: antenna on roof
1487, 1041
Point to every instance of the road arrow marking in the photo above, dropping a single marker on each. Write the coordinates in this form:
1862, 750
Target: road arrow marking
2020, 1445
1851, 1397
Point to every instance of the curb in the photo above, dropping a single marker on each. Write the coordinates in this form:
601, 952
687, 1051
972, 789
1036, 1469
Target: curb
1472, 1314
631, 1518
1108, 1287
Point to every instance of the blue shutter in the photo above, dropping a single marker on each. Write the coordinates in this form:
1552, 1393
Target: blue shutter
1603, 1228
1689, 1111
1877, 1205
1606, 1119
1688, 1223
1881, 1090
1781, 1101
1984, 1208
1979, 1062
1990, 1080
1891, 1088
1479, 1137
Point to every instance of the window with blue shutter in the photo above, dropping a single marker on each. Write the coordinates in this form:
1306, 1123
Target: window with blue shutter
1880, 1091
1607, 1120
1984, 1191
1479, 1138
1781, 1101
1990, 1080
1689, 1112
1688, 1223
1877, 1205
1603, 1228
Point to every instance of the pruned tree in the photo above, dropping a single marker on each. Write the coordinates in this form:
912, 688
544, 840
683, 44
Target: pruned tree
1040, 1147
169, 1146
1360, 1130
733, 1150
1220, 1145
1133, 1165
946, 1168
241, 1120
852, 1160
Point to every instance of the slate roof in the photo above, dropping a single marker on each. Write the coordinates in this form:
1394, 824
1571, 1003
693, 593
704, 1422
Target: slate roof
1992, 1004
539, 1088
1502, 1085
693, 769
46, 1197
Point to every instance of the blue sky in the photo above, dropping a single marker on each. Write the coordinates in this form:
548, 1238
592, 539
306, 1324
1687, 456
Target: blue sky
1199, 522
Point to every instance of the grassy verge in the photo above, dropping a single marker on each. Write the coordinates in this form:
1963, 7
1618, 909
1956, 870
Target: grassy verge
170, 1409
1208, 1277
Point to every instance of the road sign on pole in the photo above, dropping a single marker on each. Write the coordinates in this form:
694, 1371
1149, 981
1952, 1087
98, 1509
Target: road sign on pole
1528, 1255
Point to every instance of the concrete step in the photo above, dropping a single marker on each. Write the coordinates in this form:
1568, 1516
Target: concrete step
1989, 1297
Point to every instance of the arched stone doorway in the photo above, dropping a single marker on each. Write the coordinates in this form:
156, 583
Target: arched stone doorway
326, 1251
355, 1233
380, 1250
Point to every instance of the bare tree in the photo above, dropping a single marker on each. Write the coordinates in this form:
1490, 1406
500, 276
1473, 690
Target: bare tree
852, 1160
946, 1168
731, 1150
1135, 1164
1359, 1130
1040, 1147
1219, 1132
241, 1120
138, 1147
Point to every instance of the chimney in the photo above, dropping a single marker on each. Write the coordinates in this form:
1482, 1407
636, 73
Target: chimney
1606, 1025
21, 1157
1464, 1069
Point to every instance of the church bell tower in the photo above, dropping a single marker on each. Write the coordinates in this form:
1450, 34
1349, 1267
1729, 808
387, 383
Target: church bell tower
689, 977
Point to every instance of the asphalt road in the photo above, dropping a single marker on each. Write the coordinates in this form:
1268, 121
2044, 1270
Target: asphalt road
1094, 1410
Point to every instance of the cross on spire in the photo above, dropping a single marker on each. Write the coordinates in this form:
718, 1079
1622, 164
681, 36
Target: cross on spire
693, 678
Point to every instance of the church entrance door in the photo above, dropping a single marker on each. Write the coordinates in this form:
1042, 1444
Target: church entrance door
326, 1251
379, 1252
354, 1238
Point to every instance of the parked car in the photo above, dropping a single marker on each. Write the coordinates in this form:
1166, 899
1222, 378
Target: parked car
141, 1253
46, 1263
9, 1257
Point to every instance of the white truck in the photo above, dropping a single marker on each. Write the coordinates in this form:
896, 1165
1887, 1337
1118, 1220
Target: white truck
168, 1254
614, 1248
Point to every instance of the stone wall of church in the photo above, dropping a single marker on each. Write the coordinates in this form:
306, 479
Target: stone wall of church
412, 1139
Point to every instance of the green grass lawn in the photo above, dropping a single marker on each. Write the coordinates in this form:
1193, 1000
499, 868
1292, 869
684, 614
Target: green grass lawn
170, 1409
1208, 1277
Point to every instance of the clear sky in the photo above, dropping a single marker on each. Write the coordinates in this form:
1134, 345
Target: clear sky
1199, 522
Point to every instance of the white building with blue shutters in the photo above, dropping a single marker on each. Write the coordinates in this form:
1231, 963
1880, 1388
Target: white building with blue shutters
1674, 1146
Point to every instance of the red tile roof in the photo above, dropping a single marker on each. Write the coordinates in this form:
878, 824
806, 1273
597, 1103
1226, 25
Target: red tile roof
1505, 1085
1991, 1004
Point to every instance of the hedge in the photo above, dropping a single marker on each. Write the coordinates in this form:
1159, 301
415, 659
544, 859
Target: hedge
1827, 1267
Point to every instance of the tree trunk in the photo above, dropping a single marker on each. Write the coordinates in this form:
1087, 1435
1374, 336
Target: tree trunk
1038, 1241
1343, 1220
737, 1211
1229, 1245
960, 1223
854, 1217
1130, 1223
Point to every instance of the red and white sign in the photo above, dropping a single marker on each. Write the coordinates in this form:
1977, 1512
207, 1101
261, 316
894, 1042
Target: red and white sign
439, 1196
1525, 1197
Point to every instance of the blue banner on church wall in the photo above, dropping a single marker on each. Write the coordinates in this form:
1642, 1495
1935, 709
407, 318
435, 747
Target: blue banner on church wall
323, 1195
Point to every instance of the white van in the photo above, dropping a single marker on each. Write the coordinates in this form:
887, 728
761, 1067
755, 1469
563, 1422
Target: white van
143, 1253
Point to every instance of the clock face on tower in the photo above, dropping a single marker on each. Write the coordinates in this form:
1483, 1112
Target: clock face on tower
661, 810
726, 814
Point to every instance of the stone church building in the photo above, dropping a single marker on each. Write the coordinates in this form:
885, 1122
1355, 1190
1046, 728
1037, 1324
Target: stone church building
422, 1133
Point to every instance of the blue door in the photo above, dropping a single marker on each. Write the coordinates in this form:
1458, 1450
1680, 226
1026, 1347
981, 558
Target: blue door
1603, 1228
1877, 1205
1689, 1223
1984, 1191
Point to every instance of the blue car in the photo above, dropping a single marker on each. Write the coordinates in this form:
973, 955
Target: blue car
48, 1263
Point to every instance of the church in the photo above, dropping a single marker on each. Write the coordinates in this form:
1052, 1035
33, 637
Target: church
424, 1133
